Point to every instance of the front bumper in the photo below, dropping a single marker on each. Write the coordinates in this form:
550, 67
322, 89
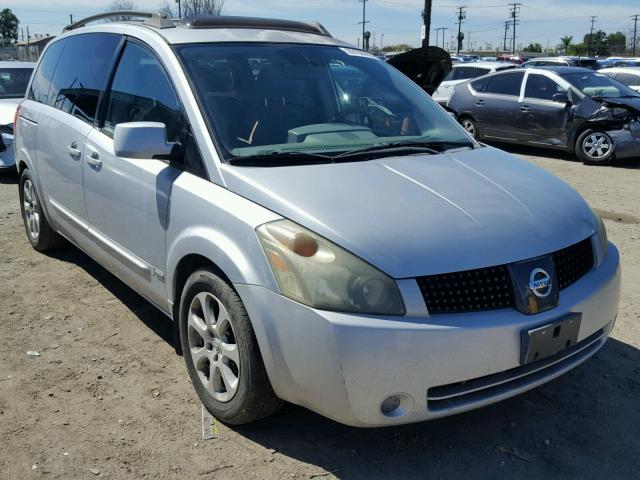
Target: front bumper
8, 157
627, 142
344, 366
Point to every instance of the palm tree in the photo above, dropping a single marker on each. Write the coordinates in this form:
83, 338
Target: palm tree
565, 42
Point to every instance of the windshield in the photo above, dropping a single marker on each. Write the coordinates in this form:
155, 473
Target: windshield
14, 81
598, 85
286, 98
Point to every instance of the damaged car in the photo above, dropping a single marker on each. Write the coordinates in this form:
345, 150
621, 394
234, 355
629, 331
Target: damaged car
14, 78
567, 108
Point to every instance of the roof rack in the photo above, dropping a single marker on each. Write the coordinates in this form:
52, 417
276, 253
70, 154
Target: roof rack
224, 21
153, 19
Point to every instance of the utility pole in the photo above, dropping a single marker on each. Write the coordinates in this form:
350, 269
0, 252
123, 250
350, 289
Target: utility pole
635, 32
71, 19
364, 22
506, 30
426, 23
461, 16
28, 37
444, 29
514, 12
179, 8
381, 41
593, 20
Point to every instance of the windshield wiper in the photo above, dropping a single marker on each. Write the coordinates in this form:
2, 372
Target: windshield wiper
413, 146
277, 159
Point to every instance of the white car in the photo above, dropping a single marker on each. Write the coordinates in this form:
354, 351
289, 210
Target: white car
465, 71
629, 76
14, 78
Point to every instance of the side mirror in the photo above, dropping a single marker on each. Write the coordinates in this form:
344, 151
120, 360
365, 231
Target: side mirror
560, 97
143, 140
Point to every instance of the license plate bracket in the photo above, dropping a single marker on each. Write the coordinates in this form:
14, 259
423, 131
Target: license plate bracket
549, 339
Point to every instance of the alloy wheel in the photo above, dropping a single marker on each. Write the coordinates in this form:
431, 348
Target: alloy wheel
213, 347
469, 126
31, 210
597, 146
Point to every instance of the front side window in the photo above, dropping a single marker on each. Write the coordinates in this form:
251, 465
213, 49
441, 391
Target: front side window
14, 81
262, 98
81, 74
598, 85
541, 87
39, 90
507, 84
142, 92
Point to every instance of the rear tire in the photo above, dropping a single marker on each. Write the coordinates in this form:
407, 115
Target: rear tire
595, 147
39, 232
471, 126
221, 352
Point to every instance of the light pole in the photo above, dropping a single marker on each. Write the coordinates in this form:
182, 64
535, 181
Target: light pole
179, 8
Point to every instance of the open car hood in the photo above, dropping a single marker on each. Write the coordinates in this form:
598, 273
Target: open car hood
427, 66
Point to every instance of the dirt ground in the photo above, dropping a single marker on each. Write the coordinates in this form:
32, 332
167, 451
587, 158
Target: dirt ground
109, 398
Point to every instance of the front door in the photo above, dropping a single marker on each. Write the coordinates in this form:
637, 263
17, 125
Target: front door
128, 199
546, 119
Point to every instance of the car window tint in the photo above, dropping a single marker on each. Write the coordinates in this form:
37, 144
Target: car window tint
506, 84
481, 71
142, 92
463, 73
81, 74
479, 85
541, 87
14, 81
39, 90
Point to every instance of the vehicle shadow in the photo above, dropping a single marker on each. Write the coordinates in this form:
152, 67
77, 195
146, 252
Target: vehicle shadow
8, 178
630, 163
153, 318
582, 425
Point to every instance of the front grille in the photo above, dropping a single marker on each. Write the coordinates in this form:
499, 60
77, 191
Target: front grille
472, 290
573, 262
491, 288
472, 393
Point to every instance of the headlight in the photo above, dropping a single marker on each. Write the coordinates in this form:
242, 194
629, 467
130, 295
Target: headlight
311, 270
602, 234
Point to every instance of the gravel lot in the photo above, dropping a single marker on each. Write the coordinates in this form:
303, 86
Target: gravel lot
108, 397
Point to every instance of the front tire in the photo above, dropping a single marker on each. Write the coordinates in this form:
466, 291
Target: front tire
595, 147
221, 352
39, 232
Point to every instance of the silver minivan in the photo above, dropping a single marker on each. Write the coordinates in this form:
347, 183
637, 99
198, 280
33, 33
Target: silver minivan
320, 231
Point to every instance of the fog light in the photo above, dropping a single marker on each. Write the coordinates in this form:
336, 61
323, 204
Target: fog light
396, 405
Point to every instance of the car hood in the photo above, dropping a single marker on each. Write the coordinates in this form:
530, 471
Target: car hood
426, 214
632, 104
426, 66
8, 109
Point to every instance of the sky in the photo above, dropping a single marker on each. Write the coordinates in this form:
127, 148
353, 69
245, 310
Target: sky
390, 21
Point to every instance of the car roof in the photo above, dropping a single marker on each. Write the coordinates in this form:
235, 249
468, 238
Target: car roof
560, 69
484, 64
11, 64
621, 69
212, 29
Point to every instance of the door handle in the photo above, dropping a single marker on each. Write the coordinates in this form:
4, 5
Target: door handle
480, 102
94, 160
525, 109
73, 150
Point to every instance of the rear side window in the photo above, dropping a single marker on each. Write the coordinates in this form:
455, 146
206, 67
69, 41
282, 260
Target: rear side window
541, 87
81, 75
39, 90
628, 79
464, 73
481, 71
506, 84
